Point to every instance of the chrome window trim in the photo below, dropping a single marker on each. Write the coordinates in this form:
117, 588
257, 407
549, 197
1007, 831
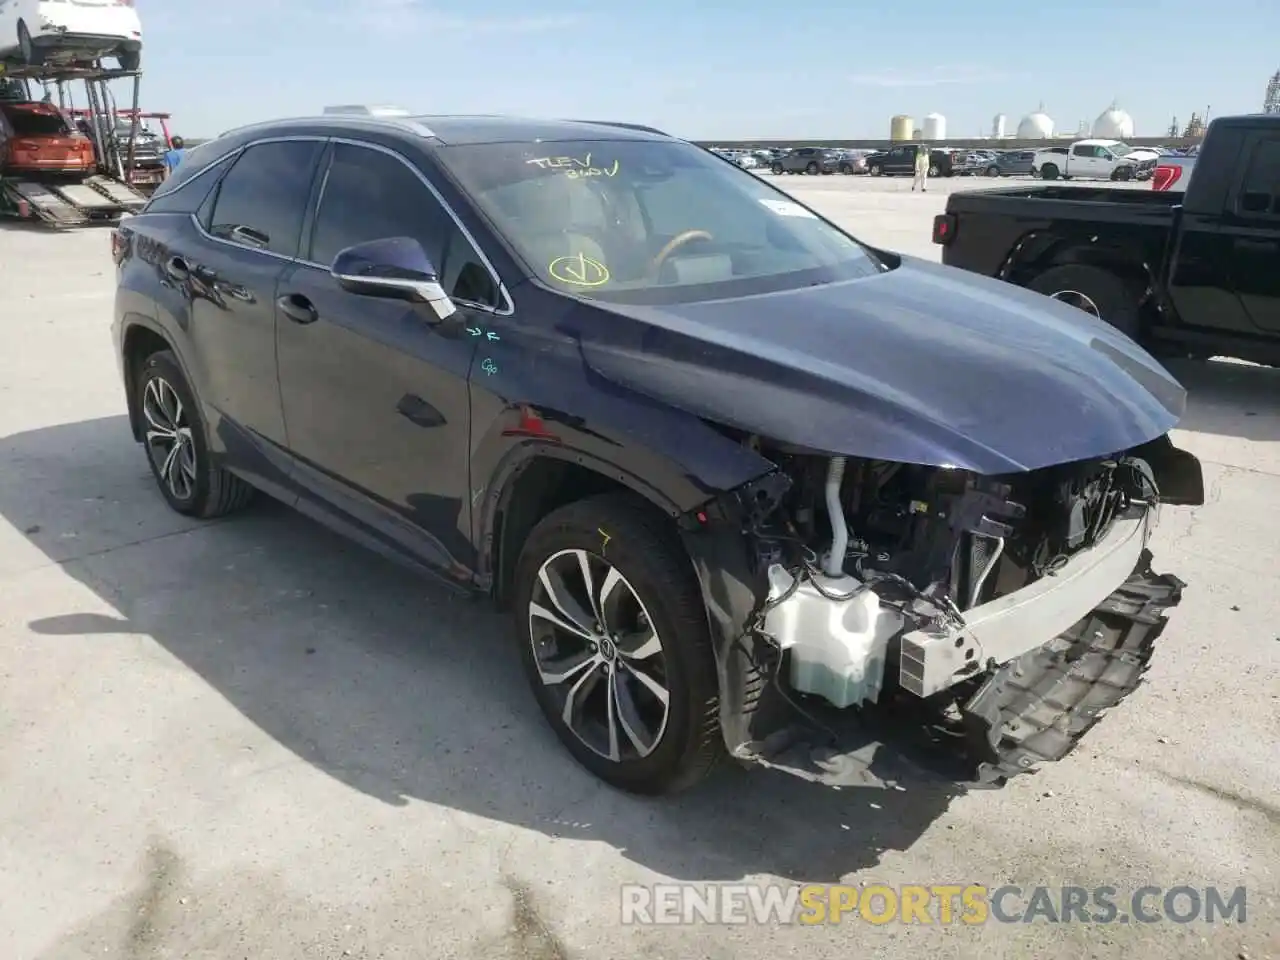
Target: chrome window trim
507, 307
237, 153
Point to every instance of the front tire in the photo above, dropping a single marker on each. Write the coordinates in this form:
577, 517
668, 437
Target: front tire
776, 169
130, 60
875, 170
993, 171
175, 441
615, 643
811, 169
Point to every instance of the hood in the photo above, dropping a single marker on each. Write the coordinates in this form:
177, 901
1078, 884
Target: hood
921, 364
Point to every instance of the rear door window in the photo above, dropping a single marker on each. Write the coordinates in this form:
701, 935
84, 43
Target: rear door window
1261, 191
262, 200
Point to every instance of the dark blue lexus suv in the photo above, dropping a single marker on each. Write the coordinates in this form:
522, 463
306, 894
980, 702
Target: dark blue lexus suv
748, 485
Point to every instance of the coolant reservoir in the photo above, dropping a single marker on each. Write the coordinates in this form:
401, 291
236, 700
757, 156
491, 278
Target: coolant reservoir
837, 647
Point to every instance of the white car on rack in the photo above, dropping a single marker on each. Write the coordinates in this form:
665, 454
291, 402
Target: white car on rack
38, 32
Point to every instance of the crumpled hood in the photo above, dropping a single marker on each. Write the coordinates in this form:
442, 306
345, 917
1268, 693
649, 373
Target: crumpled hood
921, 364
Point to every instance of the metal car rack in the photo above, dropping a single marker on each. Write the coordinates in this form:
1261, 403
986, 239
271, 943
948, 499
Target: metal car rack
108, 193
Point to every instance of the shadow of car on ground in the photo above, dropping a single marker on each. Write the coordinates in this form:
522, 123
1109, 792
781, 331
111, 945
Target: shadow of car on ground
395, 686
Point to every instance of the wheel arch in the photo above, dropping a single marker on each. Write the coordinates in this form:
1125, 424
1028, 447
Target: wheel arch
535, 478
140, 339
1034, 253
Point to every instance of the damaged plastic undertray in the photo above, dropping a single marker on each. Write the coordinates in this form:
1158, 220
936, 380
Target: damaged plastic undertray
1033, 709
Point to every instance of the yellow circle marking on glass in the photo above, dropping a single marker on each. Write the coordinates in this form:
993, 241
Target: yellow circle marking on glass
579, 270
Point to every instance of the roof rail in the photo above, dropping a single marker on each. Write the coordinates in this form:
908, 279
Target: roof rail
624, 126
399, 122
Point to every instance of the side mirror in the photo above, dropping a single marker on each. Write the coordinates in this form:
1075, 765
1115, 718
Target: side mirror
396, 268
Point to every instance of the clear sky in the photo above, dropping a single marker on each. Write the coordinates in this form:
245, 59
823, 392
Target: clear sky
708, 69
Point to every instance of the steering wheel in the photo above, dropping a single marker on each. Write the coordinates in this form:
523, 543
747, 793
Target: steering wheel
674, 244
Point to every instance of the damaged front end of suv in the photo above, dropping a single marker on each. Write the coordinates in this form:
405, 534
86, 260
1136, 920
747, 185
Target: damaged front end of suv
988, 620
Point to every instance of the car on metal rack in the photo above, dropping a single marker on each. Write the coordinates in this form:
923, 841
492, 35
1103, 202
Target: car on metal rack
594, 373
48, 32
36, 138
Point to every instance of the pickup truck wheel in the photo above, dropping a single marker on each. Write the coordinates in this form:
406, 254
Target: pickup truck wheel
614, 640
177, 451
993, 171
1049, 171
1095, 291
874, 170
776, 169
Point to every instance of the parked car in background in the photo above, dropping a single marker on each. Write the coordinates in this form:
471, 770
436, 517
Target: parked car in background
901, 161
54, 31
1174, 172
807, 160
1011, 163
1094, 160
1191, 272
851, 161
35, 137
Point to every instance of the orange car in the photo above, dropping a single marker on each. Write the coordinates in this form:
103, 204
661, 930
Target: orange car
36, 137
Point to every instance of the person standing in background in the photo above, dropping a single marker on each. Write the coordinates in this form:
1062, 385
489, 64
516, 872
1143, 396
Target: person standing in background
921, 179
173, 156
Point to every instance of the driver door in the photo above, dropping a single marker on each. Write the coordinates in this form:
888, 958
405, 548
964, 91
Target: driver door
376, 400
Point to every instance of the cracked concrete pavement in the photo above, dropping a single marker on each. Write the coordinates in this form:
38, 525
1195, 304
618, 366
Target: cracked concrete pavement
250, 738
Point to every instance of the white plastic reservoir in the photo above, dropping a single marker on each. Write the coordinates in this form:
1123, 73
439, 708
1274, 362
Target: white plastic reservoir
837, 647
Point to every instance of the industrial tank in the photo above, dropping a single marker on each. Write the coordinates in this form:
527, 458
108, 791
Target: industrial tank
1035, 126
935, 127
900, 128
998, 126
1113, 124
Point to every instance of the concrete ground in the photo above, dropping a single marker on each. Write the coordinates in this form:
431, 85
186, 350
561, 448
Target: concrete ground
250, 739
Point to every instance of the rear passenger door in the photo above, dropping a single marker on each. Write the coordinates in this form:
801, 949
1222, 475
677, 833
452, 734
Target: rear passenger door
252, 224
1252, 229
376, 399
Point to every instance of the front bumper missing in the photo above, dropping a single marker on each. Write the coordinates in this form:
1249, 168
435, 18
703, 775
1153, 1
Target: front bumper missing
937, 657
1034, 709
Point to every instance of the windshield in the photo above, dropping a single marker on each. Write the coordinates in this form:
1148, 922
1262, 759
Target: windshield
1120, 149
649, 221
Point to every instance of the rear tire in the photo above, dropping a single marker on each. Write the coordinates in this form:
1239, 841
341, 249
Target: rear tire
1113, 299
993, 171
655, 602
191, 483
130, 60
875, 170
1049, 171
776, 169
812, 168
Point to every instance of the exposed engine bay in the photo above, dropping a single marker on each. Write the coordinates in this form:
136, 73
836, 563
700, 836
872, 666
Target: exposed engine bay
888, 580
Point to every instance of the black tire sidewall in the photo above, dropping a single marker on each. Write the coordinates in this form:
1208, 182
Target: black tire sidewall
811, 168
164, 365
1112, 294
577, 527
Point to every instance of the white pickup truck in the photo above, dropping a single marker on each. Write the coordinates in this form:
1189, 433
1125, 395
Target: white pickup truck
1094, 160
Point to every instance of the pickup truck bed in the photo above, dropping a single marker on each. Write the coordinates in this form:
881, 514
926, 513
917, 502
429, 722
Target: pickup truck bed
1194, 273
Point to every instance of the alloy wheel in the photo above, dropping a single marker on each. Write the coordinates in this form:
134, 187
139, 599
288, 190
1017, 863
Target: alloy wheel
1078, 300
598, 652
168, 438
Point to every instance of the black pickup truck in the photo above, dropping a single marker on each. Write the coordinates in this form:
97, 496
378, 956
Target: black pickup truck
1190, 274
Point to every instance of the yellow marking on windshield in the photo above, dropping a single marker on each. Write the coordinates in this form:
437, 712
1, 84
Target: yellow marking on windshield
579, 270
